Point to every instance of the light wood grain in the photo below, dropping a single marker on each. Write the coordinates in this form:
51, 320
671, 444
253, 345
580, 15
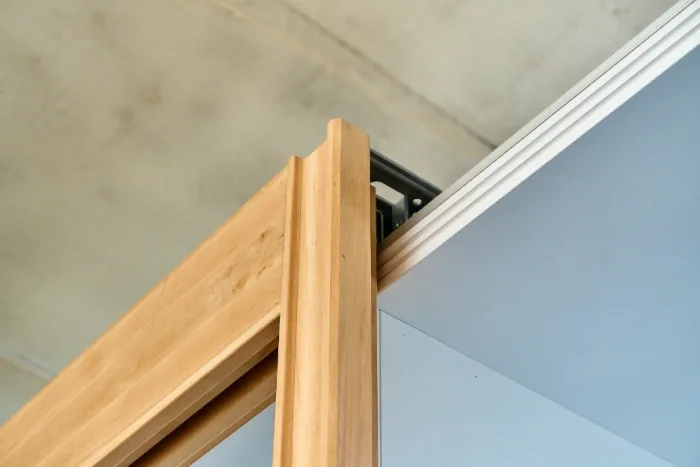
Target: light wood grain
230, 410
374, 332
195, 333
304, 243
327, 383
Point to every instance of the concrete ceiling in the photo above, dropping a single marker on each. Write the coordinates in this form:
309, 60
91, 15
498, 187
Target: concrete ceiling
130, 130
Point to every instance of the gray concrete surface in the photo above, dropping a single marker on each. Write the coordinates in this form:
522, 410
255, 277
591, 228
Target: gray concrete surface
129, 130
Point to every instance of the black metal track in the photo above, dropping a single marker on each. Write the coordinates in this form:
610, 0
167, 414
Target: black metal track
417, 193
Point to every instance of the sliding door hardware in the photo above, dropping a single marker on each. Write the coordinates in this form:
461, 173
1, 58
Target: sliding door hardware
416, 193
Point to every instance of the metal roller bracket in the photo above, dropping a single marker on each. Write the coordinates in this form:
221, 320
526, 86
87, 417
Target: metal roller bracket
416, 193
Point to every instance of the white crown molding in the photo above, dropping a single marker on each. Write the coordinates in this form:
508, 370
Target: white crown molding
648, 55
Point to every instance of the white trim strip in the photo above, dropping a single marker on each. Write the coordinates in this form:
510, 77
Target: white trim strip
652, 52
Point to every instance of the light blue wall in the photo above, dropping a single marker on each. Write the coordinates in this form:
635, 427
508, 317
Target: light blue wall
583, 283
440, 408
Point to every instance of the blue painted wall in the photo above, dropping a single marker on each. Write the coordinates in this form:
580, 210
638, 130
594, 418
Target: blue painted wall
583, 284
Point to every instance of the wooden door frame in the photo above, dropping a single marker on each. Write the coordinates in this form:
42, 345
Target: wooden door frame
196, 357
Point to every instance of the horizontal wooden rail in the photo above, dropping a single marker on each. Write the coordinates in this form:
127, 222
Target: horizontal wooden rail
231, 409
202, 327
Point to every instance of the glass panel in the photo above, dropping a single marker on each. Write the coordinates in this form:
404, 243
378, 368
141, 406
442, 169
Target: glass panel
250, 446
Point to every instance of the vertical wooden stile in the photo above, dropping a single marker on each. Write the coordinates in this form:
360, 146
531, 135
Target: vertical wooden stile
327, 371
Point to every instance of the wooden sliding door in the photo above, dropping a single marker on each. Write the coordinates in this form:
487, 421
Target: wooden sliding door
198, 356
